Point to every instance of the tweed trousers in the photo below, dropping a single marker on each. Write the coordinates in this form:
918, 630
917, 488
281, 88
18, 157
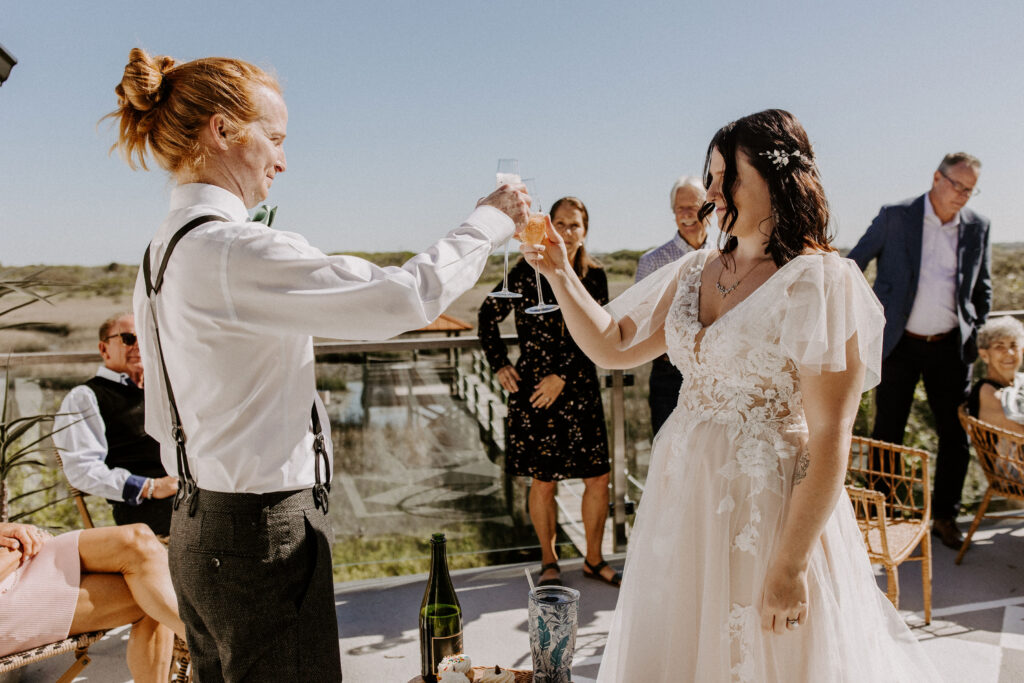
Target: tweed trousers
255, 588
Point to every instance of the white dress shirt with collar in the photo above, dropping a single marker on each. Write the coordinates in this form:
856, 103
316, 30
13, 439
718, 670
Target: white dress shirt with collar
673, 250
934, 309
81, 438
239, 305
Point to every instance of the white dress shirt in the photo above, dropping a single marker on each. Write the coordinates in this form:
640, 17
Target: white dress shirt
934, 309
81, 438
238, 308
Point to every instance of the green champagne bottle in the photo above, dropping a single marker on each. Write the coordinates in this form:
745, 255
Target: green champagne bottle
440, 614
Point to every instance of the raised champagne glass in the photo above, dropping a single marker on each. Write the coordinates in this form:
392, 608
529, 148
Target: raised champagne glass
534, 233
508, 174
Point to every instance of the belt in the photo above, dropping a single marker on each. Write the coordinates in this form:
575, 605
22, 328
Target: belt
928, 337
277, 501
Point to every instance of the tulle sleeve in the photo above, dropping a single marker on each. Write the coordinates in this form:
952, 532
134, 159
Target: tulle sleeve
647, 302
828, 301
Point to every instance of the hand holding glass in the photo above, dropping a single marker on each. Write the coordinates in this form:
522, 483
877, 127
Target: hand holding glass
535, 233
508, 174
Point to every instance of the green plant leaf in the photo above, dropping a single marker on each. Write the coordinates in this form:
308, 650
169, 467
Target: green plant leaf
17, 428
19, 463
41, 439
32, 493
543, 634
51, 503
556, 654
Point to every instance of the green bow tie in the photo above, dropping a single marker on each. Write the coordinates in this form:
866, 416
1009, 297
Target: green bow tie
264, 214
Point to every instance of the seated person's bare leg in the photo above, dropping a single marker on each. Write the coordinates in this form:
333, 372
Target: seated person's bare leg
105, 601
135, 553
150, 648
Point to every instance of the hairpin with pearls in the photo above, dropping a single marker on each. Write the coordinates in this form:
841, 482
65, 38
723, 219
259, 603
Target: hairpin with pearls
780, 157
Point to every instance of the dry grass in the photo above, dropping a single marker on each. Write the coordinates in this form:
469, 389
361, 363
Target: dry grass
100, 292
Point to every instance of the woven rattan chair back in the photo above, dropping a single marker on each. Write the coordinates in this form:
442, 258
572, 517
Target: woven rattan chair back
894, 520
1001, 456
76, 495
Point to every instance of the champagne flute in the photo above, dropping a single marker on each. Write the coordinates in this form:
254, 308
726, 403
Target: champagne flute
535, 233
508, 174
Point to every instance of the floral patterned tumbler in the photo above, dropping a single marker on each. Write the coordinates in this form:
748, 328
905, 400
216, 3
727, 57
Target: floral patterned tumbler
553, 615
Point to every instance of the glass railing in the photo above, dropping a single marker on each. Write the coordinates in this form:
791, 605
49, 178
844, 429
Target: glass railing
418, 434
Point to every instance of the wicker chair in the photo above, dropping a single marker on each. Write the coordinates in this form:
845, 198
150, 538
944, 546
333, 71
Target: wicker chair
181, 669
78, 644
893, 523
76, 495
1001, 456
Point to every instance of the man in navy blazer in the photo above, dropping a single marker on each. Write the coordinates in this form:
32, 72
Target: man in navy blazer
933, 281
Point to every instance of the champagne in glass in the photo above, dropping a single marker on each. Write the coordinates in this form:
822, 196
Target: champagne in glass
508, 174
534, 233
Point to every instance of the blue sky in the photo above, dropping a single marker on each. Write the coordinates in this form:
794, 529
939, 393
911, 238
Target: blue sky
399, 110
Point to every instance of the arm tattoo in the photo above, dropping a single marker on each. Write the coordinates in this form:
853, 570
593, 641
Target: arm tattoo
801, 467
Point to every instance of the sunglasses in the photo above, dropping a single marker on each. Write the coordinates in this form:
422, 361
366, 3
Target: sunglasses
127, 338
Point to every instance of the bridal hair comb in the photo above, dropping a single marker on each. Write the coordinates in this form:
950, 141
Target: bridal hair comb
779, 157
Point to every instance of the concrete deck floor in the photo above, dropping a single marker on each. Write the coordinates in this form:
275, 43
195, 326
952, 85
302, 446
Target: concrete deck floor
976, 634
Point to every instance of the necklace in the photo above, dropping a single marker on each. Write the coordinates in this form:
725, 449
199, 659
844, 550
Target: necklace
726, 291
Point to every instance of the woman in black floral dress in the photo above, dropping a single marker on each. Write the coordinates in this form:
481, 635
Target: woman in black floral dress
555, 428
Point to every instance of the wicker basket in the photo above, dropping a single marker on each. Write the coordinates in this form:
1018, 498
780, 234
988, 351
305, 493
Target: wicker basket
521, 676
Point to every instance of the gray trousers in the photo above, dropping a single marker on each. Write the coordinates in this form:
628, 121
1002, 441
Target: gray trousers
255, 587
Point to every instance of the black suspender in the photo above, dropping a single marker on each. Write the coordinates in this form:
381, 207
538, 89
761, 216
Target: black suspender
186, 484
321, 490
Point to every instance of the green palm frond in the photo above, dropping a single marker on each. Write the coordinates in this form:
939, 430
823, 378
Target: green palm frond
21, 515
17, 448
15, 429
32, 493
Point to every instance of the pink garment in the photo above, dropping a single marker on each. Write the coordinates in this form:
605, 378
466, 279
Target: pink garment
37, 601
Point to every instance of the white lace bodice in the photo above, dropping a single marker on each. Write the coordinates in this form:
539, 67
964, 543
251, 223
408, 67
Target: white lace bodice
740, 378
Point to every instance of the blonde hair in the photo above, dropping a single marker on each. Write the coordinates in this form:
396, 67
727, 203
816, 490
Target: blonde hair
162, 107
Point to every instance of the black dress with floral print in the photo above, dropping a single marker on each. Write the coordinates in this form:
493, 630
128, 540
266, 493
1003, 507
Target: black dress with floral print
567, 440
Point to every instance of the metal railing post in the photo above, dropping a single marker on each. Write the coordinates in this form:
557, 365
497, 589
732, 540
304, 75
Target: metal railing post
618, 461
490, 420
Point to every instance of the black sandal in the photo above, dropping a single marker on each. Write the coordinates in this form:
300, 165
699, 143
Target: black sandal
557, 581
595, 573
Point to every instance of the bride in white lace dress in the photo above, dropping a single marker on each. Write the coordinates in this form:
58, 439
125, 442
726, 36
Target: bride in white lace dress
746, 563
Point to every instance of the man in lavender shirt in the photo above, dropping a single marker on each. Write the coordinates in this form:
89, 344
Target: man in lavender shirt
686, 197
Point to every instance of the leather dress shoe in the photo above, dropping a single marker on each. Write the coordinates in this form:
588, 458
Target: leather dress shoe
948, 532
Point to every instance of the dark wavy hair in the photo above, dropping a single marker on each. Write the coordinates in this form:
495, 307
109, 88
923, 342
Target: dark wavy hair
799, 207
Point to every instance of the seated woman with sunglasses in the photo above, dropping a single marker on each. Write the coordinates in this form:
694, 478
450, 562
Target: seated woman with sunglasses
81, 581
101, 437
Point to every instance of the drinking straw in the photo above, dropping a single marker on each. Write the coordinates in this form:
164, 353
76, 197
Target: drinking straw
530, 580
